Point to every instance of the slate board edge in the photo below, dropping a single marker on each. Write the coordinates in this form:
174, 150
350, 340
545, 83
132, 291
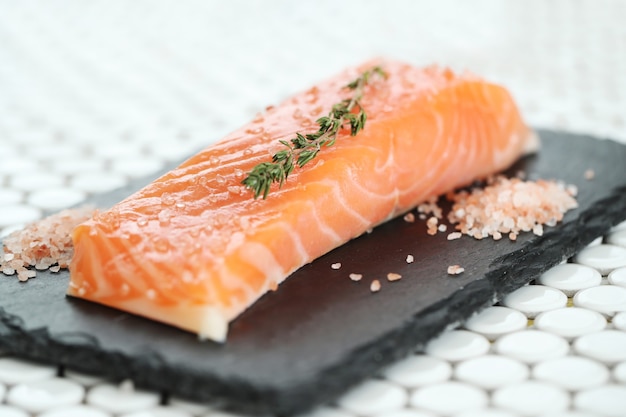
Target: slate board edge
78, 351
504, 278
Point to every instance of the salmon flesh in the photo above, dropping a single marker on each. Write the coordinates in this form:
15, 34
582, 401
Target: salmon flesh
194, 248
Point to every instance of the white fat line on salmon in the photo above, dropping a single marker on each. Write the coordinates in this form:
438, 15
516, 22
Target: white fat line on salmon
296, 241
389, 163
262, 259
322, 226
367, 193
341, 201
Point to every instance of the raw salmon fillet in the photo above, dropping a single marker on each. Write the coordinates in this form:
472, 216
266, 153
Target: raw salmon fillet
194, 248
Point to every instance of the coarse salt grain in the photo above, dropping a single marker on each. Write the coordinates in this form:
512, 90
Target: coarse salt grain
410, 259
409, 217
336, 265
431, 224
510, 206
356, 277
392, 276
430, 207
572, 190
375, 286
455, 270
454, 235
44, 244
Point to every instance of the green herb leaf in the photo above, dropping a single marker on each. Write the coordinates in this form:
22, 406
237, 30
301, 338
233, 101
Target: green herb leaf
304, 147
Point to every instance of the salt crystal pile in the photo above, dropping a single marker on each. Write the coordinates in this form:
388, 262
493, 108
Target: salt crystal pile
510, 206
45, 244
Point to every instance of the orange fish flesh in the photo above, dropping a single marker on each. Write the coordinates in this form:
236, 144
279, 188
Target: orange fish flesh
194, 248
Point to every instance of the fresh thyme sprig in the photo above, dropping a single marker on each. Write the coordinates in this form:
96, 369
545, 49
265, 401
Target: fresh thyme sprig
305, 147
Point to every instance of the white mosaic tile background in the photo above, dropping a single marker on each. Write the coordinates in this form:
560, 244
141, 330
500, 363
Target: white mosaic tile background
93, 94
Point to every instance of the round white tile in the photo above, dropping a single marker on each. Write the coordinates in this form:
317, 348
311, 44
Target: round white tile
491, 371
596, 241
489, 412
15, 371
496, 321
117, 149
10, 196
323, 412
159, 411
534, 299
374, 396
608, 400
77, 167
50, 151
17, 164
224, 414
407, 412
618, 277
619, 372
120, 399
189, 406
8, 149
136, 167
97, 182
604, 258
605, 299
34, 137
56, 198
531, 346
619, 321
569, 414
570, 322
572, 372
438, 398
170, 150
570, 278
75, 411
531, 398
35, 180
18, 214
607, 346
619, 226
458, 345
83, 379
46, 394
10, 411
419, 370
617, 238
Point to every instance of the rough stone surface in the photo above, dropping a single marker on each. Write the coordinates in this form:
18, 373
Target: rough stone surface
320, 332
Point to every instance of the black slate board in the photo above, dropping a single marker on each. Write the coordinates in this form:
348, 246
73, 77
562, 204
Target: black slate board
321, 333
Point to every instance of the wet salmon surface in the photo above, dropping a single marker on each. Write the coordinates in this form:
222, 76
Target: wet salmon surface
194, 249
